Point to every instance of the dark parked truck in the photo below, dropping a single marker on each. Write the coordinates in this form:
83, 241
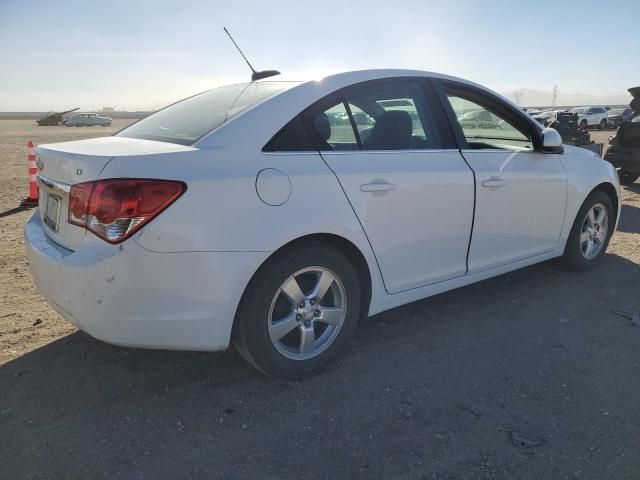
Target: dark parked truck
54, 119
624, 147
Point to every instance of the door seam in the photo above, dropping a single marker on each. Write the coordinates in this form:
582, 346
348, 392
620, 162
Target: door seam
359, 222
473, 216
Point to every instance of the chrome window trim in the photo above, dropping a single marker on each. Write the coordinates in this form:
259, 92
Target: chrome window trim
344, 152
292, 152
495, 150
54, 185
386, 152
423, 150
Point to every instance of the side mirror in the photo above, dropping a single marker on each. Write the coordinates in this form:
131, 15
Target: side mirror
551, 141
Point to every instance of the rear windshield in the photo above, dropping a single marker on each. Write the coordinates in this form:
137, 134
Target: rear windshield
188, 120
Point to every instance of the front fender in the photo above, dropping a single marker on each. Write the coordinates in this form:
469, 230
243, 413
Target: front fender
585, 171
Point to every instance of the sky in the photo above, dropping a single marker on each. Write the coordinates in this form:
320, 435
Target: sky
144, 54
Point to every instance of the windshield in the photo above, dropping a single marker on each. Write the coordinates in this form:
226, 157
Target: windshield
578, 110
188, 120
616, 111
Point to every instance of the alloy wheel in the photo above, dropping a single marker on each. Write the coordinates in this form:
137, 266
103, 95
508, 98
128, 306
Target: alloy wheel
594, 231
307, 313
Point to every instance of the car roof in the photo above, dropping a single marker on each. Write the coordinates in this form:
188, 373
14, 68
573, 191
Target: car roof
357, 76
305, 90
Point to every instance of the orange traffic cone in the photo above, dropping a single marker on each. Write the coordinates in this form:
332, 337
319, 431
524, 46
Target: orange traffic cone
34, 194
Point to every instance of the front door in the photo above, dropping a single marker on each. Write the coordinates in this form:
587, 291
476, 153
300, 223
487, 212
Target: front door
520, 192
411, 190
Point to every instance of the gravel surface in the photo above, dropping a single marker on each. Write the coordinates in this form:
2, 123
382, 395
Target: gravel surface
526, 376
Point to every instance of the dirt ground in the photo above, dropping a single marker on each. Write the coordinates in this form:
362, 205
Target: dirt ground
26, 321
528, 375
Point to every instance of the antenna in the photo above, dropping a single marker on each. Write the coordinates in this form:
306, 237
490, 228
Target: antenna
254, 74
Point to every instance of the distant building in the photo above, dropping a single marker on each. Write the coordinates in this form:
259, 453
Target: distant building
107, 109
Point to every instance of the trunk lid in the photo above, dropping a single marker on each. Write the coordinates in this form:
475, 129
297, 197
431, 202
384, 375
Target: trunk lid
61, 165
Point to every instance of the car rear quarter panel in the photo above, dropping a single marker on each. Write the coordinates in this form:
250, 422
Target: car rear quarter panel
222, 212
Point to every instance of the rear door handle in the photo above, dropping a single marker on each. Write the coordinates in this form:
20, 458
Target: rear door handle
494, 182
377, 187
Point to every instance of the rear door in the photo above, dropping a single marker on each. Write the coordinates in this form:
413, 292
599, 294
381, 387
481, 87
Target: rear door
520, 191
408, 184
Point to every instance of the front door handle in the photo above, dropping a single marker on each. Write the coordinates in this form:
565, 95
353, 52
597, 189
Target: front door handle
494, 182
377, 187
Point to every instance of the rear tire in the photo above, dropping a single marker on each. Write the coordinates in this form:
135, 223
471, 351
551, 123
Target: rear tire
627, 178
590, 233
271, 326
603, 124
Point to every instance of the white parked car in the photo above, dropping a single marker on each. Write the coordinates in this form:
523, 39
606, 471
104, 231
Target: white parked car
591, 117
244, 215
87, 120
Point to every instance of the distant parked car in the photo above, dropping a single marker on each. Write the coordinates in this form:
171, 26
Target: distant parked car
617, 116
591, 117
479, 119
545, 118
87, 119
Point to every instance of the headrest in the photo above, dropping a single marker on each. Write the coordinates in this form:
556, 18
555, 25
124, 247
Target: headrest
323, 125
392, 131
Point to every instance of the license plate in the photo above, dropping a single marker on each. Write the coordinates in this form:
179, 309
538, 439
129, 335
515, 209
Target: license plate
52, 212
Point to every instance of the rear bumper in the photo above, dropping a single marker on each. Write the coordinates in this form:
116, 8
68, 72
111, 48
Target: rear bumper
127, 295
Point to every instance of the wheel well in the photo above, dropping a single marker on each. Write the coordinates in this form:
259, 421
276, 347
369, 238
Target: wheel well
353, 253
343, 245
610, 191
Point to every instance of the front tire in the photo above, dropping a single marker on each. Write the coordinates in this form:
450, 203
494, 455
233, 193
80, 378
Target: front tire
590, 232
298, 311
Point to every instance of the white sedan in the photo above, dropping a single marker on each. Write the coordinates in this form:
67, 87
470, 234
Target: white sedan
253, 214
87, 120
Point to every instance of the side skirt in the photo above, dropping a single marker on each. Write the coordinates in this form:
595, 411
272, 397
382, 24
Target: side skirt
391, 301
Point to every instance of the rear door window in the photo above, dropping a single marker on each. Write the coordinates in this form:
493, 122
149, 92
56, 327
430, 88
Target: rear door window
379, 115
293, 137
334, 126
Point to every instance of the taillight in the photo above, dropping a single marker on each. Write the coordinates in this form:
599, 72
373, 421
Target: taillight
115, 209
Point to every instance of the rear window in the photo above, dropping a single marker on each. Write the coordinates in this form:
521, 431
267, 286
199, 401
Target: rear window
188, 120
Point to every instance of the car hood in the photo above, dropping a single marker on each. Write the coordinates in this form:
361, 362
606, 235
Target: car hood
579, 151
